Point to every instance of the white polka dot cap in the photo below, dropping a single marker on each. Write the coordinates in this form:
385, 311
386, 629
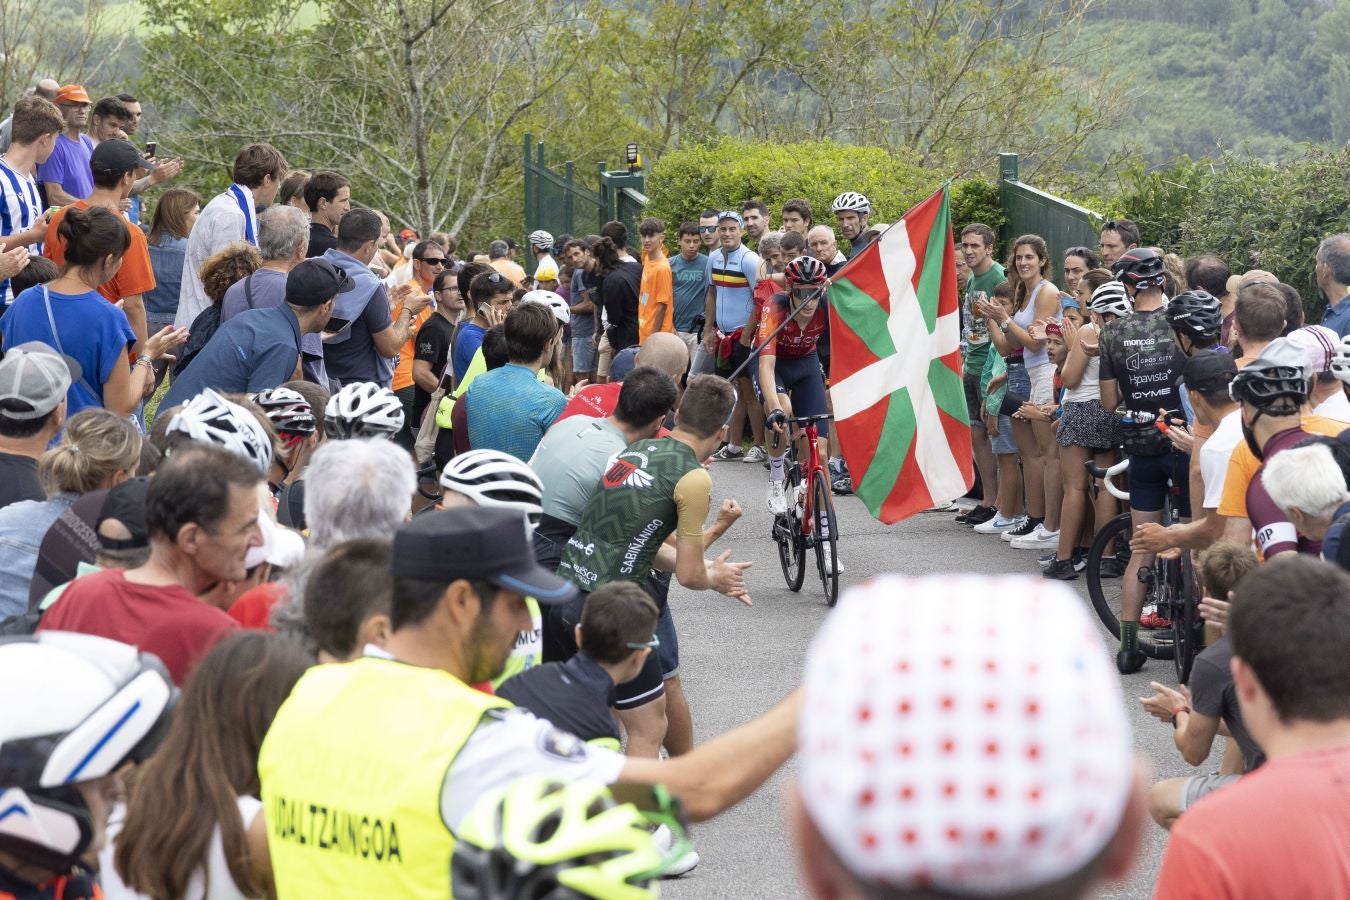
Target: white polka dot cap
963, 733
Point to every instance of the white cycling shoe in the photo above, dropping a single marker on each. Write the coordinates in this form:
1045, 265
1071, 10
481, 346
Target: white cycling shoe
777, 499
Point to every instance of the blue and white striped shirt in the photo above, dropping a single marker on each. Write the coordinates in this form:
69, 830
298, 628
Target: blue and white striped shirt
20, 207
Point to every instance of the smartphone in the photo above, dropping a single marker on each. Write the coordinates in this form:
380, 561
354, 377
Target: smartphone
151, 147
335, 325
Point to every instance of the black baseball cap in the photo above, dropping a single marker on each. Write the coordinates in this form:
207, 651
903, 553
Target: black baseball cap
316, 281
117, 157
126, 504
475, 542
1209, 371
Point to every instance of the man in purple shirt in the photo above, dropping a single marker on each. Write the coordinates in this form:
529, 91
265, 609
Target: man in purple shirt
65, 175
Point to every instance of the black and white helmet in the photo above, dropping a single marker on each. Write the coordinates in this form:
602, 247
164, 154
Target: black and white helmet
73, 708
290, 413
1110, 299
541, 239
851, 201
494, 478
363, 409
1340, 361
211, 419
555, 303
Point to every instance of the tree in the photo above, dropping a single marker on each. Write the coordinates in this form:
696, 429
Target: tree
413, 100
81, 42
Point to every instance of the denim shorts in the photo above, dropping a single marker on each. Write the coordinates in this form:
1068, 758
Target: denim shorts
1003, 443
583, 354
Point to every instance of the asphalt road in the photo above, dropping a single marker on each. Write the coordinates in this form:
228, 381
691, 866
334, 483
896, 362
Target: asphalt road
737, 661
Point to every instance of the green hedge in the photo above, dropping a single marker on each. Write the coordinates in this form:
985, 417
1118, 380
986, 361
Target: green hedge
1253, 214
682, 183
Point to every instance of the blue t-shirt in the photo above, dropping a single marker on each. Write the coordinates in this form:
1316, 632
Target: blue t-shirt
254, 351
466, 345
166, 260
690, 279
583, 324
509, 409
68, 166
91, 330
734, 275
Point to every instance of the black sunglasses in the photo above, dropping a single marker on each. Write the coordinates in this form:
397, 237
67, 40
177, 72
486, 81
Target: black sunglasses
707, 229
432, 261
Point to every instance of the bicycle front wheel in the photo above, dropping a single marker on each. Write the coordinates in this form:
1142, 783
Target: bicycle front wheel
1187, 629
787, 533
1110, 550
827, 537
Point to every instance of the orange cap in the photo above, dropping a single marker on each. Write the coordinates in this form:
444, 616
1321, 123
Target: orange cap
72, 93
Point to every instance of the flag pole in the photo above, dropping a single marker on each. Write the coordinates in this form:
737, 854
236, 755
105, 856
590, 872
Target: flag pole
781, 325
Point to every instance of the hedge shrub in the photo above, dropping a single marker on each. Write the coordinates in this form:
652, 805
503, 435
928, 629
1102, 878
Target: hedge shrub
1253, 214
682, 183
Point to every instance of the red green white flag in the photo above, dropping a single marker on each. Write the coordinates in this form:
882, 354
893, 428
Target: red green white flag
895, 367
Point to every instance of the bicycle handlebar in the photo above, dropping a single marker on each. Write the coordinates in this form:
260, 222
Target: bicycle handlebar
803, 420
1105, 475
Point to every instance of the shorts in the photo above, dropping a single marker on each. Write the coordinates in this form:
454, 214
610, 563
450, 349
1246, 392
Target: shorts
700, 363
1019, 382
739, 354
1042, 383
669, 651
690, 339
1151, 477
604, 356
157, 322
584, 354
1198, 786
1003, 443
801, 379
1086, 423
974, 402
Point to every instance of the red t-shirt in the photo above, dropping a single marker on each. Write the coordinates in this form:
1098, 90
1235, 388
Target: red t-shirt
595, 400
1281, 831
254, 608
168, 621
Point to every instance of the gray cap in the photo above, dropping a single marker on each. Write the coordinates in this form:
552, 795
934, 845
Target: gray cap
35, 374
1284, 352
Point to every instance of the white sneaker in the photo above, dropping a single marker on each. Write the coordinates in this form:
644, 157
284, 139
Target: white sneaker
662, 838
998, 525
1024, 528
1040, 539
755, 454
778, 504
830, 561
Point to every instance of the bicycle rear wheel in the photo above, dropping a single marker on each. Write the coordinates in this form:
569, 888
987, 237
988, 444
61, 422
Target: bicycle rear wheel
1187, 628
1106, 591
787, 534
827, 537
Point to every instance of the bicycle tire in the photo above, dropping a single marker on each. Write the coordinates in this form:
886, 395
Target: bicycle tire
1187, 628
787, 534
1106, 593
823, 513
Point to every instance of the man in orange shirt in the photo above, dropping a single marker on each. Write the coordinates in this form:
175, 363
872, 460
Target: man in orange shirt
1282, 830
428, 259
656, 295
115, 166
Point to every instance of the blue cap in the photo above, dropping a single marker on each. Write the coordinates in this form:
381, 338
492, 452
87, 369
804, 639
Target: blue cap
731, 214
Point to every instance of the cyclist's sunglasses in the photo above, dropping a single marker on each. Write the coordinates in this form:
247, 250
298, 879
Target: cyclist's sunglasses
807, 291
644, 645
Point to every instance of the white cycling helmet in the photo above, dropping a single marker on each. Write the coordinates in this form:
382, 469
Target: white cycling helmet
494, 478
1110, 299
363, 409
1340, 360
851, 201
73, 708
541, 239
553, 301
211, 419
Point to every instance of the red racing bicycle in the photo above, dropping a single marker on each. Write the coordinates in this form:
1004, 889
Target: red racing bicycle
810, 520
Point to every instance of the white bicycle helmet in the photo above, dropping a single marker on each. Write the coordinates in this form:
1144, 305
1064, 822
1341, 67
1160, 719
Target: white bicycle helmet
73, 708
363, 409
1340, 360
1110, 299
494, 478
851, 201
211, 419
289, 412
553, 301
541, 239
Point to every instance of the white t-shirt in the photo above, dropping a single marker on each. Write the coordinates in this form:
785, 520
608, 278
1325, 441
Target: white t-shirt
221, 883
1088, 388
1214, 456
1337, 407
512, 743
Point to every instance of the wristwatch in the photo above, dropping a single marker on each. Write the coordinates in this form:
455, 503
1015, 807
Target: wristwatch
1005, 325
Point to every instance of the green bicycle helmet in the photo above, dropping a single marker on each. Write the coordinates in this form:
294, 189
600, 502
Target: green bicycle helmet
543, 839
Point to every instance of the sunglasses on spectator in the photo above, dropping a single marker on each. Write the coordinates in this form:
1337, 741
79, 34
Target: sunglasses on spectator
431, 260
652, 644
707, 229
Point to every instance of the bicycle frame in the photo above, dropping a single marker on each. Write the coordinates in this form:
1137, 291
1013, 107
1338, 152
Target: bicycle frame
813, 465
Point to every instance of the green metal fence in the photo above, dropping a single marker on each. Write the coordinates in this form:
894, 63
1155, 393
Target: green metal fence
561, 204
1027, 210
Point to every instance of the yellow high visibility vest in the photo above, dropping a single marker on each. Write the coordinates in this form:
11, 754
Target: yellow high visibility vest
352, 770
